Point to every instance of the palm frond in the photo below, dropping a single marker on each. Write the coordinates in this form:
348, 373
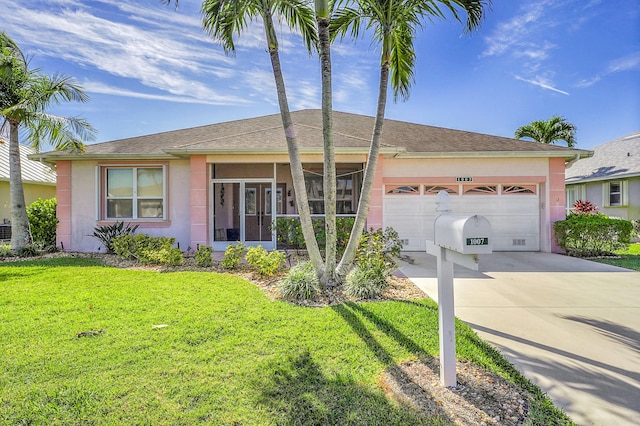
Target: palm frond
61, 133
549, 131
222, 19
299, 15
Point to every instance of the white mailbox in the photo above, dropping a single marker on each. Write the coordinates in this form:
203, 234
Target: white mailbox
463, 234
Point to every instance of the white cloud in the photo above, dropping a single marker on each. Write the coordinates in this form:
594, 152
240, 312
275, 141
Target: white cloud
99, 87
628, 62
142, 41
543, 83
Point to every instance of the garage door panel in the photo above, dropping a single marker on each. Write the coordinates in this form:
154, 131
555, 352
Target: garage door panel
515, 219
412, 231
515, 205
513, 224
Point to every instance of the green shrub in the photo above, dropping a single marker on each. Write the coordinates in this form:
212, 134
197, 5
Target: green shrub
204, 256
43, 221
300, 283
636, 228
106, 233
366, 281
585, 235
6, 250
374, 263
289, 232
124, 246
147, 249
171, 256
233, 255
384, 241
267, 263
27, 251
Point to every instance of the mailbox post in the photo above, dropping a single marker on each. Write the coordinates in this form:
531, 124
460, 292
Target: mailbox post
457, 239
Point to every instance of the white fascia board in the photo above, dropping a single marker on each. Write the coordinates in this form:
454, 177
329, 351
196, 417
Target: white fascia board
52, 158
568, 155
574, 181
250, 151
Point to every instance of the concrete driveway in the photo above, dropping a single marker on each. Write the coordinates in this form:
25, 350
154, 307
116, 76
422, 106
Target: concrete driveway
570, 325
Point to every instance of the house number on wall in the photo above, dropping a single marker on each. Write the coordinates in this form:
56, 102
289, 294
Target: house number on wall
464, 179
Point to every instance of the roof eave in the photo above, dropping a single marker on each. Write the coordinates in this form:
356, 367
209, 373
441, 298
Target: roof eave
185, 152
567, 155
52, 158
572, 181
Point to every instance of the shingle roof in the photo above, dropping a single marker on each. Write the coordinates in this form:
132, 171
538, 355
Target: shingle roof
352, 133
619, 158
32, 171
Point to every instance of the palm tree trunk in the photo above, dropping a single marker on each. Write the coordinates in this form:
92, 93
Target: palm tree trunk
20, 233
295, 162
369, 175
329, 180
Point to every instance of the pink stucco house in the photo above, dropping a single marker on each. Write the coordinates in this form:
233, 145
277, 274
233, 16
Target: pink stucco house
228, 182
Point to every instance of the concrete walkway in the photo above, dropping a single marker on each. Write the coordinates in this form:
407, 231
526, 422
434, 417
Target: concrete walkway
570, 325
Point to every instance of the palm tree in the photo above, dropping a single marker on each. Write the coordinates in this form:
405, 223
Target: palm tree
394, 24
223, 19
323, 20
25, 95
549, 131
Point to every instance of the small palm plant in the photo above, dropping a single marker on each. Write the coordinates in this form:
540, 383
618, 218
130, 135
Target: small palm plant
106, 233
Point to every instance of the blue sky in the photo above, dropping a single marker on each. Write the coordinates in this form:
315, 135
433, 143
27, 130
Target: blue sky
150, 68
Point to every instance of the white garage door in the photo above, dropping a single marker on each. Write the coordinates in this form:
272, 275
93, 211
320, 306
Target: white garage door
513, 211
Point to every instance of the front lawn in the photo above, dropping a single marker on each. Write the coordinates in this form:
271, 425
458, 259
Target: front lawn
629, 258
82, 343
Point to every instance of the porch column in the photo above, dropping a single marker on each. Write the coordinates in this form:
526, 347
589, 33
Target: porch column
63, 208
199, 189
557, 199
374, 219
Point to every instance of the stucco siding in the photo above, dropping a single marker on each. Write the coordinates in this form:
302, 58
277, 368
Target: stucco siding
85, 203
447, 167
595, 192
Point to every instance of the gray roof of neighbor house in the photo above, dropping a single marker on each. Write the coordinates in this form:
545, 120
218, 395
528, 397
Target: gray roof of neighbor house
32, 171
352, 134
619, 158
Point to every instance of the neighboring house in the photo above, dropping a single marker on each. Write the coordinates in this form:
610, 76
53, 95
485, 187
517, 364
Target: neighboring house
38, 181
610, 179
228, 182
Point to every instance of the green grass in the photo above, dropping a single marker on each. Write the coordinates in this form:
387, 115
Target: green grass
629, 258
229, 355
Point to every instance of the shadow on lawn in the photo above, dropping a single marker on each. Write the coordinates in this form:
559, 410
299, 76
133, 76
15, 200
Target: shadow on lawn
298, 393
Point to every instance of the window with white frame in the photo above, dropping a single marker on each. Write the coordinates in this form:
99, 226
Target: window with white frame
134, 192
614, 193
573, 194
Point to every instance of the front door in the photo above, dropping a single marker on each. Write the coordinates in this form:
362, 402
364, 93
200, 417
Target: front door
242, 212
257, 212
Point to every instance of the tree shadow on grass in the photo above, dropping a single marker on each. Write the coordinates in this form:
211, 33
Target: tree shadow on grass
298, 393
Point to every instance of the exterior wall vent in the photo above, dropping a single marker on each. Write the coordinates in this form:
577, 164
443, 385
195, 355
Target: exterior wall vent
405, 242
519, 242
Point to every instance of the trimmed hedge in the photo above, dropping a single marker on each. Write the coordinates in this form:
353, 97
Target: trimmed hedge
147, 249
589, 235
